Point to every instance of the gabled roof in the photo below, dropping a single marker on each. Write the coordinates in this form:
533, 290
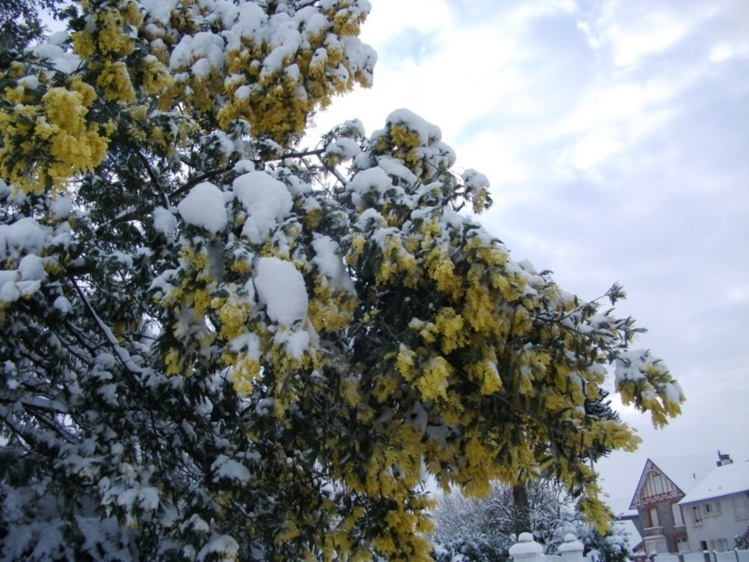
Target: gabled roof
722, 481
684, 472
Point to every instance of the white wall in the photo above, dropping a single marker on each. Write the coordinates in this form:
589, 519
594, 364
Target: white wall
725, 524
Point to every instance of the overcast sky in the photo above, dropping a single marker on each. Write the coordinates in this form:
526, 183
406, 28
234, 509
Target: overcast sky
616, 137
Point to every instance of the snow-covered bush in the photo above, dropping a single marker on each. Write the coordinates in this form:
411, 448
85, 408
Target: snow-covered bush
484, 529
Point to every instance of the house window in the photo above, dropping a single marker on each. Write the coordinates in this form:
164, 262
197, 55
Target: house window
676, 511
654, 517
740, 509
712, 508
723, 545
696, 514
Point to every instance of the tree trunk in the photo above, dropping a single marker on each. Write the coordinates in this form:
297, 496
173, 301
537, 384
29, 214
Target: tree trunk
522, 509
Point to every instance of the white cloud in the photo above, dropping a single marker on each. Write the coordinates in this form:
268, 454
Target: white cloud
389, 16
636, 38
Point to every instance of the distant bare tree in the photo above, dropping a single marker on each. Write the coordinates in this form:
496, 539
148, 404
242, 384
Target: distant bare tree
484, 529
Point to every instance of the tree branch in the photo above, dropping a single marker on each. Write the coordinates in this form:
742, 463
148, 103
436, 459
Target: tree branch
122, 354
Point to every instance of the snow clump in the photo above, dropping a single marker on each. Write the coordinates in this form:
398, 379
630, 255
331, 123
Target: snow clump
280, 287
267, 202
204, 207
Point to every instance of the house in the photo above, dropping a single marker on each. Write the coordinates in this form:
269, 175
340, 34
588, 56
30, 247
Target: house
716, 510
663, 483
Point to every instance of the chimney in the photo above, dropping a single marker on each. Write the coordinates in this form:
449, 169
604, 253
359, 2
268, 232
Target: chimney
724, 459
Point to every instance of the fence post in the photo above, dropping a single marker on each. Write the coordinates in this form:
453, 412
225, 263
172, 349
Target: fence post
526, 549
571, 550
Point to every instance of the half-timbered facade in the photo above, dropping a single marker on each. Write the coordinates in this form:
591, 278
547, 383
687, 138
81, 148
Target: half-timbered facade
662, 484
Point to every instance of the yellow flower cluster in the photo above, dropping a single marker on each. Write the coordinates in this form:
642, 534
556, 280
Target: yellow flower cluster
244, 372
655, 391
490, 254
358, 242
404, 137
485, 371
406, 530
396, 260
449, 327
330, 310
107, 44
441, 268
404, 362
233, 312
390, 473
479, 200
420, 150
173, 362
275, 95
115, 81
202, 295
108, 36
157, 80
434, 378
46, 144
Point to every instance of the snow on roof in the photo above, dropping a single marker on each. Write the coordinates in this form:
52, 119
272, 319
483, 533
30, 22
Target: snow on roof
627, 515
722, 481
685, 471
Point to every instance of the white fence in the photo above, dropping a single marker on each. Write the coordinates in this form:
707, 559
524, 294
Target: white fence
728, 556
571, 550
528, 550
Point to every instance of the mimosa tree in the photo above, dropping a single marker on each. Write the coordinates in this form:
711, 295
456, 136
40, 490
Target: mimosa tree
219, 344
